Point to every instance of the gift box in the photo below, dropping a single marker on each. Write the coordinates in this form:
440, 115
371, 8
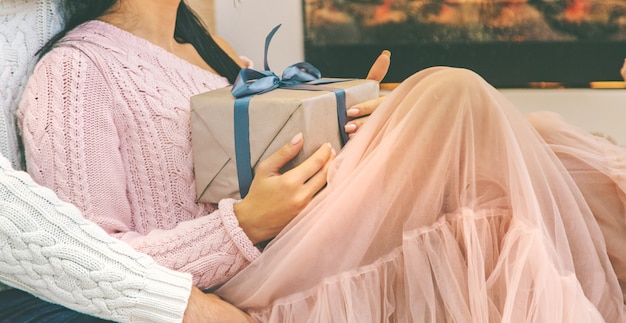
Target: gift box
273, 119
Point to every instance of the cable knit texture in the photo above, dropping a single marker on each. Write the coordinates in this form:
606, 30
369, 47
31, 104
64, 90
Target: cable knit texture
25, 25
46, 247
105, 123
49, 249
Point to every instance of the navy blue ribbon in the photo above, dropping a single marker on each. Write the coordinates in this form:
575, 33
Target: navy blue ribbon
250, 82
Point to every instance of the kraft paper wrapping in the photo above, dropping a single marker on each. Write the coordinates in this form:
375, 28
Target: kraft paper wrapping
275, 117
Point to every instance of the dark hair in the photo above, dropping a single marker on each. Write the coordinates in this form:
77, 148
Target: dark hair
189, 29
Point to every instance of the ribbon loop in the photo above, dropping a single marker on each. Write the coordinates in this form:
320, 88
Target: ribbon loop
249, 82
300, 73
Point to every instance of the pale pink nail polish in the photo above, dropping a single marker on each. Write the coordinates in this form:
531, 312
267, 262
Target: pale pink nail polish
350, 127
296, 139
352, 112
332, 150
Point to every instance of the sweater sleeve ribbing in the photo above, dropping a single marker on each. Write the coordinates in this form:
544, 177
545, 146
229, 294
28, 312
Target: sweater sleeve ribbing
50, 250
81, 160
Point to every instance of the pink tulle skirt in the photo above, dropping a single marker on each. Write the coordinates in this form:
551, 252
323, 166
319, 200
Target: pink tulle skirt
450, 206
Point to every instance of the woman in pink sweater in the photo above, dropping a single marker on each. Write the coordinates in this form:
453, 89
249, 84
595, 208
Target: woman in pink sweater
448, 205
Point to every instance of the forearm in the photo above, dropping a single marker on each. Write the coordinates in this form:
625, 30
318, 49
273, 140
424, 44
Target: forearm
79, 147
50, 250
213, 248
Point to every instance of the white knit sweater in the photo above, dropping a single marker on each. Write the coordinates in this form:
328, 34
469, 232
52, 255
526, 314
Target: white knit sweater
46, 247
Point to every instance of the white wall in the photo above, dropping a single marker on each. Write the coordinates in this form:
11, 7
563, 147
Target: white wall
245, 23
597, 110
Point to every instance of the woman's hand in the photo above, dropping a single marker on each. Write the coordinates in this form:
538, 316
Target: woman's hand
358, 113
623, 70
207, 308
379, 69
274, 199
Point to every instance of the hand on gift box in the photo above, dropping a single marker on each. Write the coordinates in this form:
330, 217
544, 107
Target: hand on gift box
359, 113
275, 199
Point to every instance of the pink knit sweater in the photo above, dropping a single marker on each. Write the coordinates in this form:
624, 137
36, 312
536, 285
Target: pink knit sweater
105, 123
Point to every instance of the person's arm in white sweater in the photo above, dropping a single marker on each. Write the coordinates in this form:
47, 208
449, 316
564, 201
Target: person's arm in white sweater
48, 249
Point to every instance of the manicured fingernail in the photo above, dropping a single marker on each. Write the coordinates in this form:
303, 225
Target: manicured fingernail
296, 139
387, 52
332, 150
350, 127
352, 112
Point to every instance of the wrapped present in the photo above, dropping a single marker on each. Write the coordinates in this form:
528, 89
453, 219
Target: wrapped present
228, 144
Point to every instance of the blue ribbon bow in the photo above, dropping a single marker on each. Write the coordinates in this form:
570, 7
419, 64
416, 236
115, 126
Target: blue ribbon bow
250, 82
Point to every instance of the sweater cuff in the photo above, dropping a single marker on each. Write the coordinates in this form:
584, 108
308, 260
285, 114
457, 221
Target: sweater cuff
164, 297
236, 233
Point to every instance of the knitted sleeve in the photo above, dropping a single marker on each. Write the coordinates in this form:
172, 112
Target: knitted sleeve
59, 115
50, 250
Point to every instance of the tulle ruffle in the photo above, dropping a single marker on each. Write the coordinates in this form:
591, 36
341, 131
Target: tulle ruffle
494, 271
450, 206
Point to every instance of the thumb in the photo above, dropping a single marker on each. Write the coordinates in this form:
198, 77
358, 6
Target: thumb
380, 67
277, 160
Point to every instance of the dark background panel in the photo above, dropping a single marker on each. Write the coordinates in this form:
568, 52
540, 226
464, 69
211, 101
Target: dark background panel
503, 64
